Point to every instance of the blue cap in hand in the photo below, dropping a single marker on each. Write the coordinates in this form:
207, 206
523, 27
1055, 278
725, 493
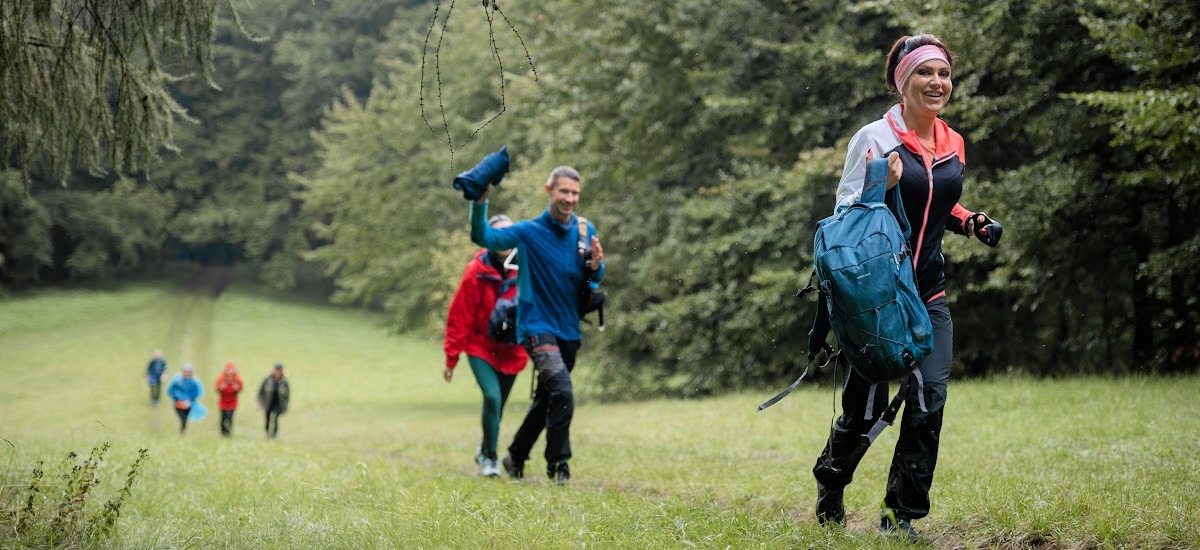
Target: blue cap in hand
489, 171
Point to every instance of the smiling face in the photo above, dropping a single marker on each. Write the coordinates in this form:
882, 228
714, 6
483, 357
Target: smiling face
564, 195
928, 88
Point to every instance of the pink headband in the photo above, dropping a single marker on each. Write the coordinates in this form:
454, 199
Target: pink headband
914, 58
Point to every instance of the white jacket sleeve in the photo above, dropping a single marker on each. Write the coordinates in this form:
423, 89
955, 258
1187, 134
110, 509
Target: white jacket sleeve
850, 187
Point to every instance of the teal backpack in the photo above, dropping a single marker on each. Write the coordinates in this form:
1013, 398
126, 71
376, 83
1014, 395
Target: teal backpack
868, 291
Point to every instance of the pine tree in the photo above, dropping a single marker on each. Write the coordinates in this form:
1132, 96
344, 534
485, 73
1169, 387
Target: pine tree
83, 83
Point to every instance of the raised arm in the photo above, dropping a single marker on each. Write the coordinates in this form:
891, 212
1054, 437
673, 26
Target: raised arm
487, 236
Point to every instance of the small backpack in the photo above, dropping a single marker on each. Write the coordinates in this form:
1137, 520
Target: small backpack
589, 297
868, 291
502, 323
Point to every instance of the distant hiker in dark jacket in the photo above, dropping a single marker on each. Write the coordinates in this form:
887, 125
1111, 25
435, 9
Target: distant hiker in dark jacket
156, 372
229, 385
554, 260
494, 364
926, 161
273, 396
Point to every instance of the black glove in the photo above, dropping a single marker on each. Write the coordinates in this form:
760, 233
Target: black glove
987, 230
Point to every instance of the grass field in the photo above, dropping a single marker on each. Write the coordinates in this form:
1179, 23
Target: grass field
377, 449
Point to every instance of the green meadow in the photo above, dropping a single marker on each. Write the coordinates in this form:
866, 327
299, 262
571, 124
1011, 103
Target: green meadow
376, 451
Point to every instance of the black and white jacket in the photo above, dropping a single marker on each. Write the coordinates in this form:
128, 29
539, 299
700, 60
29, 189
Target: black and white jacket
930, 189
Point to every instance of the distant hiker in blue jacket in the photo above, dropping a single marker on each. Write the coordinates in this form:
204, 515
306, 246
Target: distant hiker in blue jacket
156, 372
184, 389
553, 260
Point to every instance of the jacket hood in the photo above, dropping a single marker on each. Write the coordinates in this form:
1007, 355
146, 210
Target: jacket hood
486, 267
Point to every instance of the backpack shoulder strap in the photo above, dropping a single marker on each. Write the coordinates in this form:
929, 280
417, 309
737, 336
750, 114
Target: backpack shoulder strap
584, 243
875, 184
875, 190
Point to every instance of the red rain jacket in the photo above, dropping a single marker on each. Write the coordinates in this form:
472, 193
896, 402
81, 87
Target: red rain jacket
467, 322
228, 390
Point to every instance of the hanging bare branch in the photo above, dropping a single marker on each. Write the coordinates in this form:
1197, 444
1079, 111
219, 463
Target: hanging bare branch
490, 8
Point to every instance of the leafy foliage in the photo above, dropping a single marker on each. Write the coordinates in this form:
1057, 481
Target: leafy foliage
85, 81
25, 246
1157, 119
717, 294
382, 190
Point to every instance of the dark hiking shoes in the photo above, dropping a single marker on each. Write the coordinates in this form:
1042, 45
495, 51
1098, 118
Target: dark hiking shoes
514, 469
558, 473
895, 526
830, 509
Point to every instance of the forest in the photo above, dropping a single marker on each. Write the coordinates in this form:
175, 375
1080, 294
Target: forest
316, 153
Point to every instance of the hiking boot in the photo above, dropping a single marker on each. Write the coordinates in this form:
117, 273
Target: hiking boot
489, 468
513, 468
892, 525
479, 456
830, 509
559, 473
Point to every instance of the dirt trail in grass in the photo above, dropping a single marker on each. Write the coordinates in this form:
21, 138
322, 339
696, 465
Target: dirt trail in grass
189, 335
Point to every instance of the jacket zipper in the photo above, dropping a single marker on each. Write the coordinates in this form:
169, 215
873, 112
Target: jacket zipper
928, 202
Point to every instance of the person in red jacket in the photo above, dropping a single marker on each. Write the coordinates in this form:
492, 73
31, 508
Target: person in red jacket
495, 364
229, 384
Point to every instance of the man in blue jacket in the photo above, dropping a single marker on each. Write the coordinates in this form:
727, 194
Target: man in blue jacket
553, 262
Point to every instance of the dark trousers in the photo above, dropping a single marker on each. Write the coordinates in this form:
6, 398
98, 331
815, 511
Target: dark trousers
183, 417
226, 422
273, 413
155, 392
553, 403
915, 456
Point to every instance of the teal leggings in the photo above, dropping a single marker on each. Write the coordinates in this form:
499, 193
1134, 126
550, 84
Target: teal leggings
495, 387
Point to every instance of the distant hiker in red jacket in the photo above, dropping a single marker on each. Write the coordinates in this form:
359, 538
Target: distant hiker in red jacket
495, 364
229, 385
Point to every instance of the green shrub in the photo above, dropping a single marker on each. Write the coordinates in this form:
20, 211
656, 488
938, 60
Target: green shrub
53, 511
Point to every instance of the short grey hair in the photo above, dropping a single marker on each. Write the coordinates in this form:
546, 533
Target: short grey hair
492, 221
563, 172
